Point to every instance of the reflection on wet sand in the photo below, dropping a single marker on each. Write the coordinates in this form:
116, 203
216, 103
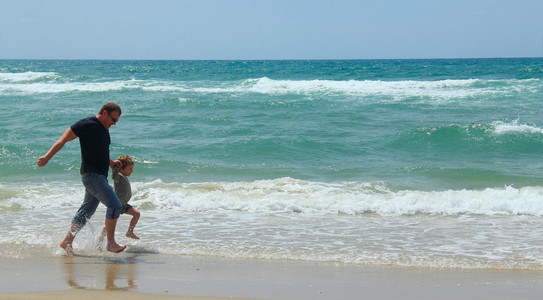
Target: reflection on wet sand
113, 272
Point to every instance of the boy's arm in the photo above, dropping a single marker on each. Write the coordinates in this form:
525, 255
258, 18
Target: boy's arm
69, 135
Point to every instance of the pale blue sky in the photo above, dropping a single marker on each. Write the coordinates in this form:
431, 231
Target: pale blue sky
270, 29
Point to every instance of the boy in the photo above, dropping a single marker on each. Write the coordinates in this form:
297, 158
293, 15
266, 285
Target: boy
124, 192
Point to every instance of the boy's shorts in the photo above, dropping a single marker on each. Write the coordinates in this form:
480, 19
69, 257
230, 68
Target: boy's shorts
126, 208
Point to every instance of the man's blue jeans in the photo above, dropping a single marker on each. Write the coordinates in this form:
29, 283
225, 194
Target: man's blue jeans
97, 190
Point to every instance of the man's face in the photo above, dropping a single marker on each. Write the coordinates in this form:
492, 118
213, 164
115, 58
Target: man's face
113, 119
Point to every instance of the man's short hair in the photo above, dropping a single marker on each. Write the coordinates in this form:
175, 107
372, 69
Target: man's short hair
111, 107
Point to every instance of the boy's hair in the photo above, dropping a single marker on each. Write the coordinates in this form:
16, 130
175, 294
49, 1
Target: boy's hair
126, 160
111, 107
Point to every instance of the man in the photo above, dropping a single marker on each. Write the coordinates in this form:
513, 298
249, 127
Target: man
94, 139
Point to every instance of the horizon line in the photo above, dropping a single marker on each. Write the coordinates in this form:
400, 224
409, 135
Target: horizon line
266, 59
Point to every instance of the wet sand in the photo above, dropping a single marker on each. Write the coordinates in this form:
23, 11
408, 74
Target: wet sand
140, 275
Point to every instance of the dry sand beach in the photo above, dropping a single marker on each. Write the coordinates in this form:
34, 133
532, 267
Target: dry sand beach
149, 275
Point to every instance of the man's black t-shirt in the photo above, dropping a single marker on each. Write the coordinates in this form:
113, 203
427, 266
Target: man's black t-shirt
94, 140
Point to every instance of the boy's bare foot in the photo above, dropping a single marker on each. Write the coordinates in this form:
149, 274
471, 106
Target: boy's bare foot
116, 248
132, 235
67, 247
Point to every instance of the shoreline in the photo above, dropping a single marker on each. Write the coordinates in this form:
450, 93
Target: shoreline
143, 275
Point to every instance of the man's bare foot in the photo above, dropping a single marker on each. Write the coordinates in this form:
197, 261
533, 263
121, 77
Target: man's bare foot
132, 235
116, 248
67, 247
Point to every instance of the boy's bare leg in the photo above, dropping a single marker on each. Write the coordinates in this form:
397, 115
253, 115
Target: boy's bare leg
110, 232
66, 243
135, 217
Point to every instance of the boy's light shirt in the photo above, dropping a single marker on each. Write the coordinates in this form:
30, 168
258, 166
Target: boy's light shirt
122, 185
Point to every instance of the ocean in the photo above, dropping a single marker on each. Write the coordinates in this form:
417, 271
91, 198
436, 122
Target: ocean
410, 163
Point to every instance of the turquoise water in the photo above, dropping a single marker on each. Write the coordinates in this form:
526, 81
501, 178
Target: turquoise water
344, 143
421, 124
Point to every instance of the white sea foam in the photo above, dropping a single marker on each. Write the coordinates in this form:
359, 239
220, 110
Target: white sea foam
367, 87
501, 127
438, 90
32, 197
26, 76
53, 88
23, 83
286, 195
313, 198
360, 223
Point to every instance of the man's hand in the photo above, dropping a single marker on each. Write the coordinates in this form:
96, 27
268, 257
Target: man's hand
42, 161
113, 163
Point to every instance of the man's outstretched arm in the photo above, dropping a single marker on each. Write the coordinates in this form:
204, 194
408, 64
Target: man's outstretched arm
69, 135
